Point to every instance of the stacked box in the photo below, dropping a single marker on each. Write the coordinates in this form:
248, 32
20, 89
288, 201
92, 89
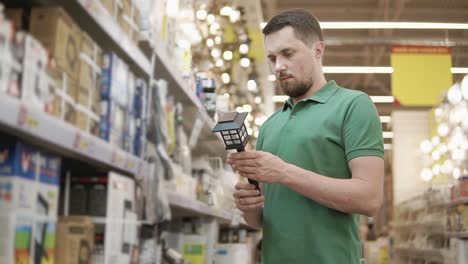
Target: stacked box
120, 236
28, 203
114, 99
87, 94
60, 34
75, 240
34, 81
128, 18
141, 115
110, 6
7, 60
129, 128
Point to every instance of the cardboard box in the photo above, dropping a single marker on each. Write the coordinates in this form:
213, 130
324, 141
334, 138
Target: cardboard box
63, 102
89, 76
29, 182
110, 6
59, 33
75, 240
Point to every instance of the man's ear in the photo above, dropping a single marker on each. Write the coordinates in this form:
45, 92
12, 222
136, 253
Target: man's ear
319, 49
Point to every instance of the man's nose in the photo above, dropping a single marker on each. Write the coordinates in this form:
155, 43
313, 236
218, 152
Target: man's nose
279, 67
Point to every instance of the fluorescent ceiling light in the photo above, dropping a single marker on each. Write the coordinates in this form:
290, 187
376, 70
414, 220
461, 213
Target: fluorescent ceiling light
370, 69
382, 99
355, 69
385, 119
280, 98
387, 146
391, 25
387, 134
459, 70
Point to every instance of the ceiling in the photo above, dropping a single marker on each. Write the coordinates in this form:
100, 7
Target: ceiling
371, 47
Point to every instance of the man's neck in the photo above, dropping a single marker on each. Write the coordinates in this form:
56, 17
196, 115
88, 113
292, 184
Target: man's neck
317, 85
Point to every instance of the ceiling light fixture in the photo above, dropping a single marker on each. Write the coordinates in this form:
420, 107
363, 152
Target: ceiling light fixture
391, 25
381, 70
382, 99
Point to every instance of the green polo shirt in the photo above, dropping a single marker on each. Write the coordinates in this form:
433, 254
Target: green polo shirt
322, 134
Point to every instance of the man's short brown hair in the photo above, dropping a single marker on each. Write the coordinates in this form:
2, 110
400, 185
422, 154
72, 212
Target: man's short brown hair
306, 26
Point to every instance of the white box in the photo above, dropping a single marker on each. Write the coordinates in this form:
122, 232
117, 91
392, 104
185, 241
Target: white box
121, 220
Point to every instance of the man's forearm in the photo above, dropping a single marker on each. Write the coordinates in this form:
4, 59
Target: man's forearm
253, 218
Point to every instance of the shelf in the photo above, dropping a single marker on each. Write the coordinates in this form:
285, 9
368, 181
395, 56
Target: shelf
183, 206
426, 254
431, 227
193, 109
462, 235
458, 202
92, 17
55, 135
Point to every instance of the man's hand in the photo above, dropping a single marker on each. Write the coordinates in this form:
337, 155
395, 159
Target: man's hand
258, 165
247, 198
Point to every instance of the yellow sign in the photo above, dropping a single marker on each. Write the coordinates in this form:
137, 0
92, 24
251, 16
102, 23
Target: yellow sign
420, 74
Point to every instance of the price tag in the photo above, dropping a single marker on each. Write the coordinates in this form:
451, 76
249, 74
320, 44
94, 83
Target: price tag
81, 143
196, 130
25, 120
118, 158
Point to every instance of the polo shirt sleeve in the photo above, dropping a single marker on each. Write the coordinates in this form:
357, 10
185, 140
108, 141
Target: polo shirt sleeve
362, 129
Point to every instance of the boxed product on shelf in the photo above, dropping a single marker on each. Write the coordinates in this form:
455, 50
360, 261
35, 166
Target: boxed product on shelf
89, 73
59, 33
140, 99
194, 248
110, 6
10, 68
75, 240
29, 181
63, 103
121, 227
127, 16
233, 253
112, 122
35, 89
114, 85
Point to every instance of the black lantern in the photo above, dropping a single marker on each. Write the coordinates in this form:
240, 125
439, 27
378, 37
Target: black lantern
234, 133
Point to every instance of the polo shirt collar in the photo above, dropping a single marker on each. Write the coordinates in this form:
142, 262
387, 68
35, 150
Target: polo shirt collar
321, 96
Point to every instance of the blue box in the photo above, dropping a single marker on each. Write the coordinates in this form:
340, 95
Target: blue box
112, 122
18, 159
140, 99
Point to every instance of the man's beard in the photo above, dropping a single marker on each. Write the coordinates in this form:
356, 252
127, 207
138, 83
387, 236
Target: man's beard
297, 90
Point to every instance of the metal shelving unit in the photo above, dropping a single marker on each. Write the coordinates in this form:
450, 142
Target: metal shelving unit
46, 130
183, 206
425, 254
193, 109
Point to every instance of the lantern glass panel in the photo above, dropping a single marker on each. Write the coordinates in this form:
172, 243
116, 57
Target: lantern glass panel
225, 132
227, 137
233, 132
228, 142
235, 136
237, 141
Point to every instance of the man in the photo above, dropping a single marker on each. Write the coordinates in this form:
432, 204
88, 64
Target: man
320, 157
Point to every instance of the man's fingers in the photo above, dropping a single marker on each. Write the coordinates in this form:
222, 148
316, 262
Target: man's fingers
245, 163
244, 208
250, 200
243, 155
246, 170
244, 186
246, 193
